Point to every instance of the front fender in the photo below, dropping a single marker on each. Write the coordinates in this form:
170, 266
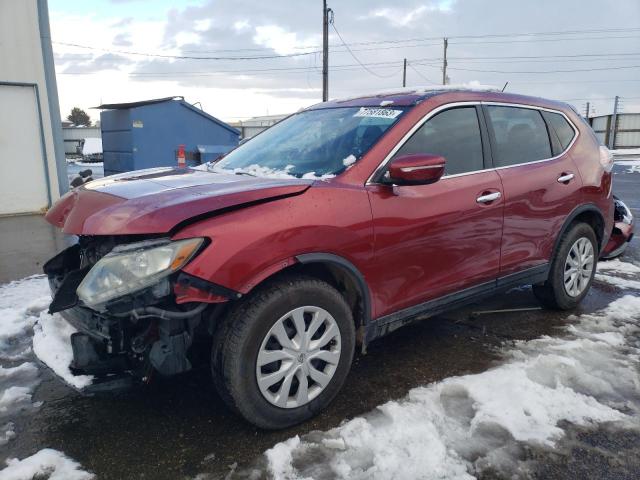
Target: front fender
253, 243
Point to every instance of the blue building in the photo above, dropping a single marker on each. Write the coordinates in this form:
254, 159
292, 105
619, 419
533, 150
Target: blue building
147, 134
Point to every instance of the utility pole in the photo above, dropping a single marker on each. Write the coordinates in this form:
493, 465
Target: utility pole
586, 113
444, 62
325, 51
614, 124
404, 74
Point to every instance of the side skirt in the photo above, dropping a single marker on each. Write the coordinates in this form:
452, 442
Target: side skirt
384, 325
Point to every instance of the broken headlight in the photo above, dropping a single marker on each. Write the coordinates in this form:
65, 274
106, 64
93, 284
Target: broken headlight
133, 267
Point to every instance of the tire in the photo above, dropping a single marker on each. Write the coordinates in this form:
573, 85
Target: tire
247, 335
553, 293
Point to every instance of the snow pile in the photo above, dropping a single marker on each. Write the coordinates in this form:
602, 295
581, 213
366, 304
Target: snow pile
47, 463
22, 311
464, 426
52, 345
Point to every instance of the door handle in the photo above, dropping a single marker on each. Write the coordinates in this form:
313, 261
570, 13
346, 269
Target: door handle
565, 177
489, 197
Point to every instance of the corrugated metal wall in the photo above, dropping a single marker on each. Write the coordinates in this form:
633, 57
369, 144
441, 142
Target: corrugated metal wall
627, 133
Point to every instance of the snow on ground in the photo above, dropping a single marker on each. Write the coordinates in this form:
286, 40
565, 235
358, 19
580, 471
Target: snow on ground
627, 274
633, 166
626, 151
20, 303
618, 266
632, 161
47, 463
463, 426
23, 320
74, 168
52, 345
22, 312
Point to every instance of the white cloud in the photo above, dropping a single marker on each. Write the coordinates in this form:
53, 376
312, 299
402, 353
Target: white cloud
241, 25
202, 25
282, 41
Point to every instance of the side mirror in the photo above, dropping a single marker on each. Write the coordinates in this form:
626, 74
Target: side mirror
416, 169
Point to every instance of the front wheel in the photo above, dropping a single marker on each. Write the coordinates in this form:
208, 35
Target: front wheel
284, 352
572, 269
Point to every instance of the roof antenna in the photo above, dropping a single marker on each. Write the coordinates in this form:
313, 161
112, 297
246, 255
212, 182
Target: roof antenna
505, 87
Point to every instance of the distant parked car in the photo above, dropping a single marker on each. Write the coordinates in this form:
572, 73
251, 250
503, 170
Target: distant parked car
332, 228
622, 231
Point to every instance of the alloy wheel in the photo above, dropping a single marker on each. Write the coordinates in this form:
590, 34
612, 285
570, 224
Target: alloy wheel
298, 357
578, 267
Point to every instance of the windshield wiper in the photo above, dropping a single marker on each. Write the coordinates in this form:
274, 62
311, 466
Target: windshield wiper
245, 173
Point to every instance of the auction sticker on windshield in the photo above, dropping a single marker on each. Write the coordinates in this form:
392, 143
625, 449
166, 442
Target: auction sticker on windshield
377, 112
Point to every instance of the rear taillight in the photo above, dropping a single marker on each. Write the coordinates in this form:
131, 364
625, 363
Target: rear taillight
606, 159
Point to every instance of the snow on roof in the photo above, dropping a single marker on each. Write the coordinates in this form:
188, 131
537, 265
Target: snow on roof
424, 89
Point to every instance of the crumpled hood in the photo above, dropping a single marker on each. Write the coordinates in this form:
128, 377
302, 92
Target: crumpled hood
156, 200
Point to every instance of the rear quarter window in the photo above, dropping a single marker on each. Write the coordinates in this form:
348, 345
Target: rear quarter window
562, 128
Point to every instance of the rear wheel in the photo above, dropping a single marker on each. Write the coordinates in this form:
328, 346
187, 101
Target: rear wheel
284, 352
572, 269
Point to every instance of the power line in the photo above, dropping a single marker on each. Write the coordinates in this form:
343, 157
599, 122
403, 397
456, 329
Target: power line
185, 57
380, 42
546, 71
356, 58
420, 73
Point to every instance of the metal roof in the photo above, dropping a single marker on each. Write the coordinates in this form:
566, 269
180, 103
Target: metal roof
141, 103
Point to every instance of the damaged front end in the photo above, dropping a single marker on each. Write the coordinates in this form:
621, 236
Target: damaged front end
131, 305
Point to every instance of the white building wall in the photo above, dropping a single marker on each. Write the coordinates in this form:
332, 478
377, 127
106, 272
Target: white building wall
22, 62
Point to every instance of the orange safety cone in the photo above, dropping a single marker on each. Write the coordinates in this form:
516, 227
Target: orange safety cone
182, 162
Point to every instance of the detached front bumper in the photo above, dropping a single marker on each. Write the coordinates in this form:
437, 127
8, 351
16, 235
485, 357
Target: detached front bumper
623, 231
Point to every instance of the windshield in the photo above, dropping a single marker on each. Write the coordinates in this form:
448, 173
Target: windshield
311, 144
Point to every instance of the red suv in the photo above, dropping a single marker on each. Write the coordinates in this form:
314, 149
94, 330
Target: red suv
334, 227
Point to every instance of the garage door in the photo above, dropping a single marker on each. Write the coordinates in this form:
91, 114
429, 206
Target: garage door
23, 181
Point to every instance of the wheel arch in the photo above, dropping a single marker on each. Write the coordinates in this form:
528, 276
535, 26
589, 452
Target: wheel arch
344, 274
589, 214
339, 272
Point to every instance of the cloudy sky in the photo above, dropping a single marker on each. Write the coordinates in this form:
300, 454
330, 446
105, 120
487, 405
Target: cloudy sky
256, 57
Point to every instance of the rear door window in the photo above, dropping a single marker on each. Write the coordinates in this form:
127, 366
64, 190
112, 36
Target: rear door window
520, 135
453, 134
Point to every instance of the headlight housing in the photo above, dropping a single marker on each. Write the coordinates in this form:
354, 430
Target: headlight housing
133, 267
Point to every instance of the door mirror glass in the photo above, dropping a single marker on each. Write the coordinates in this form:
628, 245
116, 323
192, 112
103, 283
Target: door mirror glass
416, 169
